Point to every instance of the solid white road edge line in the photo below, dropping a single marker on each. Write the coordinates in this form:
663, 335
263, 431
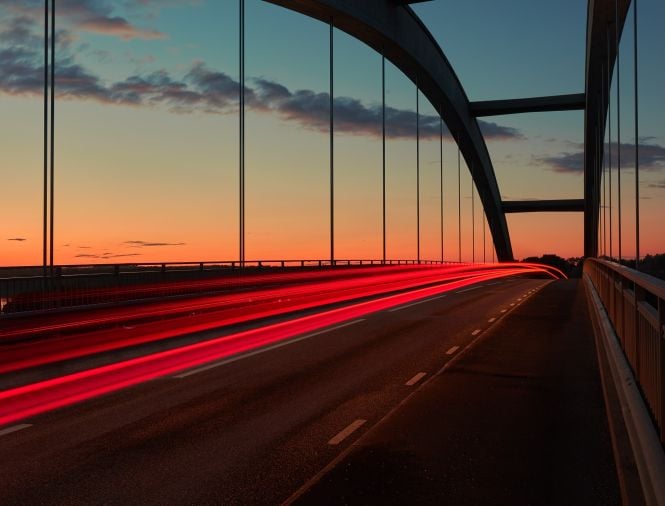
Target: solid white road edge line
14, 428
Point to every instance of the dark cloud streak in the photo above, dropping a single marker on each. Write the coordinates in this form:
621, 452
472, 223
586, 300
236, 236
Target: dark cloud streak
148, 244
658, 185
103, 256
206, 90
95, 16
651, 158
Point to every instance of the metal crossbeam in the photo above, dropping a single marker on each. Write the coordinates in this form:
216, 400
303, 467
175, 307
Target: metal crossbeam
572, 102
543, 206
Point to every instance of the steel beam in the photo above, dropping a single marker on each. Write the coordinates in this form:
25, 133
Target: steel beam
573, 102
397, 32
543, 206
602, 21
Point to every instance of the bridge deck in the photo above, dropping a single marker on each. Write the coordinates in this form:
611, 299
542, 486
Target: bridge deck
519, 419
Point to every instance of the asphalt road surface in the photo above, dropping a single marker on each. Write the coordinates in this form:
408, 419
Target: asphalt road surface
257, 428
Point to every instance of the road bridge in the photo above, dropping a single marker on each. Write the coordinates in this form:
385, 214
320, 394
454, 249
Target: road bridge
337, 380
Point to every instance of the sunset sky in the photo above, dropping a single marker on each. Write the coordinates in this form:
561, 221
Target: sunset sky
147, 131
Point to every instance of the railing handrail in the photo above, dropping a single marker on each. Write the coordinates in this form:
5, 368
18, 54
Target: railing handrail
311, 262
646, 281
635, 306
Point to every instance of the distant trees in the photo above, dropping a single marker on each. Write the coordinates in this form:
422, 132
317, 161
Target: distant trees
572, 267
650, 264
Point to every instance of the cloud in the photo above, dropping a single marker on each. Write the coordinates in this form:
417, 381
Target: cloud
651, 158
95, 16
17, 239
20, 74
18, 30
659, 185
565, 163
106, 255
148, 244
202, 89
117, 26
492, 130
311, 110
510, 197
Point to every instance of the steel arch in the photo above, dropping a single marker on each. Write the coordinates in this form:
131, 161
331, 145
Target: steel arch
397, 32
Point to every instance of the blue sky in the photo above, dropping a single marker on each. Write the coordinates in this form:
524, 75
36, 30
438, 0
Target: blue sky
148, 91
511, 49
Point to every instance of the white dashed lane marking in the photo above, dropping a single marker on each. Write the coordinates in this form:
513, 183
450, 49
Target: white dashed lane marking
342, 435
416, 379
468, 289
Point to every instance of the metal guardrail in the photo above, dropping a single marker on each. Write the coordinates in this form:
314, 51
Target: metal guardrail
635, 304
31, 288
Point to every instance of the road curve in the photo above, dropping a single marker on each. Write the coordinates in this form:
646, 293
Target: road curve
253, 428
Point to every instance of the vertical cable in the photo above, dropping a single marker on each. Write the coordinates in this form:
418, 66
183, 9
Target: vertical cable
332, 150
441, 180
45, 198
383, 146
601, 167
52, 130
473, 220
609, 142
604, 204
417, 171
597, 196
618, 73
484, 234
241, 126
459, 206
603, 197
637, 143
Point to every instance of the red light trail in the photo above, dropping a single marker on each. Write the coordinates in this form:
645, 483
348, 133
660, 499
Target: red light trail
28, 400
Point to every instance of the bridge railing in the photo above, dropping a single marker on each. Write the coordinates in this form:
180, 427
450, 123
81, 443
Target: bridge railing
635, 304
30, 288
